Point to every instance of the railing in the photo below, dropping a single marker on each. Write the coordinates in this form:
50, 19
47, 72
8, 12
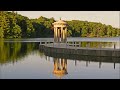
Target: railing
76, 39
76, 45
94, 39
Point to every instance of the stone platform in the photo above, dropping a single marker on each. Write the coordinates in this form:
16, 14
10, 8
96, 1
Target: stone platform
63, 48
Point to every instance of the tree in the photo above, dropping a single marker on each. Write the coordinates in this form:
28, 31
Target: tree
1, 32
16, 31
101, 33
114, 32
84, 31
30, 29
109, 31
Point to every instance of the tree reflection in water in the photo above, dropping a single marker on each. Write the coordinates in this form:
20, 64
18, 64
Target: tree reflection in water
17, 51
11, 52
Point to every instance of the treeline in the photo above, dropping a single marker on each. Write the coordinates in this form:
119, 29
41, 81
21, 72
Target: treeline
13, 25
91, 29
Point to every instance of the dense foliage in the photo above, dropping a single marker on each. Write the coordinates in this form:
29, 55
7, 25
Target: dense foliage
13, 25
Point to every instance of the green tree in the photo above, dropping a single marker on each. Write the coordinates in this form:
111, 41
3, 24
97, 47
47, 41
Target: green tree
16, 31
84, 31
114, 32
109, 31
1, 32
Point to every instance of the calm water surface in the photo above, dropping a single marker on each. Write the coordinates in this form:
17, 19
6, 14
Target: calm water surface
24, 60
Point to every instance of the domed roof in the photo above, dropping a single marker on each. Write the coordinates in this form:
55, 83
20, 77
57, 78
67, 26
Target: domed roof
60, 22
60, 73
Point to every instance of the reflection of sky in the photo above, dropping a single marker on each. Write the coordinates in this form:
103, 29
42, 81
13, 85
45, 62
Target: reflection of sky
93, 71
31, 67
35, 67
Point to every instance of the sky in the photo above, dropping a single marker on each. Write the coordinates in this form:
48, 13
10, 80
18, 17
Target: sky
105, 17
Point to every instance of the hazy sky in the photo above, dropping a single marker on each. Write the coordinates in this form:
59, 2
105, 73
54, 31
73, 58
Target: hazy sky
105, 17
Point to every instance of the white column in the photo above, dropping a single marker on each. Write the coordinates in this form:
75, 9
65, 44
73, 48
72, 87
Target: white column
61, 34
65, 34
55, 34
58, 35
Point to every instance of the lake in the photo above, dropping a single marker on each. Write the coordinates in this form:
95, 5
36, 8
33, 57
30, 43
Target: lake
22, 59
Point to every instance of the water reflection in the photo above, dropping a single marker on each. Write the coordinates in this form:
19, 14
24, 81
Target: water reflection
114, 45
60, 67
61, 71
13, 52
